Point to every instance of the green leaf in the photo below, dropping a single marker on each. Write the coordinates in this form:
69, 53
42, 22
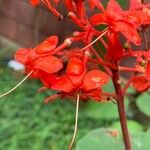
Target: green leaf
104, 140
109, 87
143, 103
132, 125
102, 110
131, 90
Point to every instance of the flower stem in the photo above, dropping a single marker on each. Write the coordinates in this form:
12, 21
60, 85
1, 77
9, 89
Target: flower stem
121, 110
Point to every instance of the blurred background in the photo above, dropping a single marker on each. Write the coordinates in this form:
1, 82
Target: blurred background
26, 123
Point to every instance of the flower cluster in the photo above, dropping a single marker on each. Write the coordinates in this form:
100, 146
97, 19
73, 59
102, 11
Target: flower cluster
73, 71
63, 70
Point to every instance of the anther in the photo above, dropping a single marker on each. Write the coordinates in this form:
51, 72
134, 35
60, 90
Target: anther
61, 17
87, 53
126, 46
76, 33
119, 82
68, 41
71, 14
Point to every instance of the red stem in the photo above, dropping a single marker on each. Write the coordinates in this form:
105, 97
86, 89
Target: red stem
129, 69
121, 110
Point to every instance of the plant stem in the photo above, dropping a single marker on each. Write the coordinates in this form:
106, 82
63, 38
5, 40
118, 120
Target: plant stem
121, 110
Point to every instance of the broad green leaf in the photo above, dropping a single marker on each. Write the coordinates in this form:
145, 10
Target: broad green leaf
102, 110
131, 90
143, 103
132, 125
103, 139
109, 87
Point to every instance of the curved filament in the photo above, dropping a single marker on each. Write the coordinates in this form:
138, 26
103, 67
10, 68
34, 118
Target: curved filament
76, 123
11, 90
87, 46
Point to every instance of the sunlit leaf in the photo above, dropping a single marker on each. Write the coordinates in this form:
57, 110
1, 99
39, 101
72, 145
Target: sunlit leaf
106, 111
132, 125
106, 139
143, 103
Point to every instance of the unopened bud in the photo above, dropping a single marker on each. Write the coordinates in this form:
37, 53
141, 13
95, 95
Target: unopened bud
71, 14
87, 53
119, 81
61, 17
68, 41
142, 63
76, 33
126, 46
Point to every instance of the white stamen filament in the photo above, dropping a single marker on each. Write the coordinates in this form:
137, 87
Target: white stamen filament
11, 90
76, 123
87, 46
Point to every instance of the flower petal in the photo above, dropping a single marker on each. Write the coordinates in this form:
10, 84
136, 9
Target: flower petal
98, 19
34, 2
148, 72
141, 84
63, 84
94, 79
115, 50
129, 31
75, 66
46, 78
96, 3
22, 55
113, 11
49, 64
48, 45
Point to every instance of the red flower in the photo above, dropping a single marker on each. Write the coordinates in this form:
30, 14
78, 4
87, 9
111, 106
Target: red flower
138, 13
79, 6
96, 3
77, 79
142, 83
40, 58
34, 2
115, 18
115, 50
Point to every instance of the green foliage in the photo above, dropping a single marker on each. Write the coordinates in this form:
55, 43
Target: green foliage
27, 123
109, 87
101, 110
143, 102
106, 111
104, 139
132, 126
123, 3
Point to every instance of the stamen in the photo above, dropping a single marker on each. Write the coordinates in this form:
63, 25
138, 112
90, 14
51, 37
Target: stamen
52, 9
11, 90
87, 46
76, 123
42, 89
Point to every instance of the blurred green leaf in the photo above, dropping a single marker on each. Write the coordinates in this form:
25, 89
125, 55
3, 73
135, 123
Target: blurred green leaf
27, 123
104, 139
143, 103
131, 90
100, 110
109, 87
132, 125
